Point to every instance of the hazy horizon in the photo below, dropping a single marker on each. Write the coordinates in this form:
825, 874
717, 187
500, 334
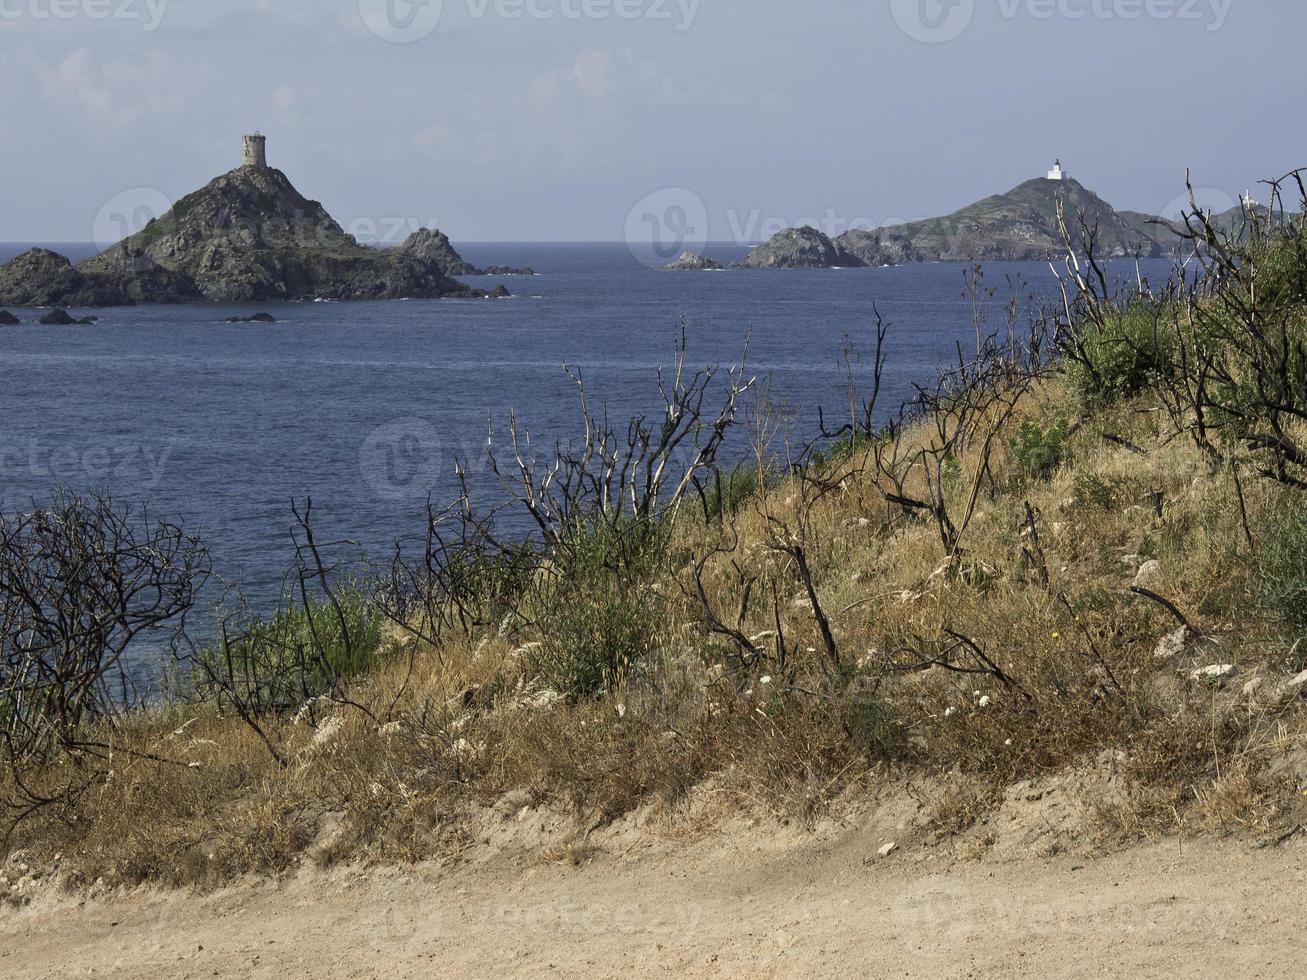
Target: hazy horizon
600, 113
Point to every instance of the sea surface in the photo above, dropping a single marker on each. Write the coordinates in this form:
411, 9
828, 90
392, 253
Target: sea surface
366, 406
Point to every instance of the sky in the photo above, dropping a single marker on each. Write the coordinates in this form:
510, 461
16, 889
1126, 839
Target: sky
598, 120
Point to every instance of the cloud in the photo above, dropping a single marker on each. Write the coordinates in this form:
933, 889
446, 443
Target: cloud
121, 92
285, 98
590, 114
603, 76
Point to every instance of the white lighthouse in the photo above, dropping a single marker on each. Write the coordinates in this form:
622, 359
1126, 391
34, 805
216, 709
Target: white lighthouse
1057, 173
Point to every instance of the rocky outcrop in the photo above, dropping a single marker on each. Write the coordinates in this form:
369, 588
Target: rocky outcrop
60, 317
430, 245
885, 246
249, 236
799, 248
692, 262
7, 319
40, 277
256, 318
505, 270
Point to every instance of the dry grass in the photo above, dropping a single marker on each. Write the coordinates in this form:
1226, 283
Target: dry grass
454, 729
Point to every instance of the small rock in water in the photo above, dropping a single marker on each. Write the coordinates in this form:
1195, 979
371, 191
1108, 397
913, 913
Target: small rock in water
7, 319
59, 317
256, 318
693, 262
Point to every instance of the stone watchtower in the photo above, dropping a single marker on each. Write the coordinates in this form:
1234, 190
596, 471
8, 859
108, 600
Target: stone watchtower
256, 154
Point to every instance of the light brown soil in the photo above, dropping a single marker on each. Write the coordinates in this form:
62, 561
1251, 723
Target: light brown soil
742, 904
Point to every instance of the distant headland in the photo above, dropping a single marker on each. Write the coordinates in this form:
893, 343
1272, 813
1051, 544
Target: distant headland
248, 236
1021, 225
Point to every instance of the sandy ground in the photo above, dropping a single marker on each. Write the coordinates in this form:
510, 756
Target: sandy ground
731, 905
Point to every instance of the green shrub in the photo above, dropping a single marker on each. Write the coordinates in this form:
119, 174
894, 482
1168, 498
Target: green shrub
598, 615
1038, 452
1281, 562
1122, 355
729, 492
951, 473
485, 583
1093, 492
299, 652
872, 725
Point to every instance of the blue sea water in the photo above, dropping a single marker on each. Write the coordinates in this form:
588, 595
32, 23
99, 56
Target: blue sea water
365, 406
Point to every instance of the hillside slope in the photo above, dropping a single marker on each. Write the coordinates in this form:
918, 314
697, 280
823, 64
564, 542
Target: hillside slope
1021, 225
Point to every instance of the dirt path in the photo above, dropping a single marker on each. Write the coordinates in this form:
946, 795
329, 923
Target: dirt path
728, 907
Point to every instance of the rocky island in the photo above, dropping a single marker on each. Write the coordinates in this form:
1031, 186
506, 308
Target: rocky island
689, 261
1021, 225
248, 236
799, 248
59, 317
